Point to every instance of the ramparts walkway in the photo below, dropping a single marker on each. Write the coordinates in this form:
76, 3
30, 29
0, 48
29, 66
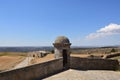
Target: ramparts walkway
86, 75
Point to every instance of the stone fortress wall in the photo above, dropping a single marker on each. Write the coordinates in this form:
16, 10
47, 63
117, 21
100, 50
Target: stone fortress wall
93, 64
39, 71
34, 71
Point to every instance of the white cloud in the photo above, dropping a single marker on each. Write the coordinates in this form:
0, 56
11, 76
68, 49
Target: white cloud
111, 29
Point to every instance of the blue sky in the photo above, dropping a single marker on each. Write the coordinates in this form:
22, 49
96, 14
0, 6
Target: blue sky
39, 22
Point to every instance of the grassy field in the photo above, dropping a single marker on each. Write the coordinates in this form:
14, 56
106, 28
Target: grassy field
8, 62
13, 54
10, 59
118, 57
94, 50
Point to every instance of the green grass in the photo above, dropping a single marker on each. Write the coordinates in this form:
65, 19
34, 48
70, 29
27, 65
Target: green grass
13, 54
118, 57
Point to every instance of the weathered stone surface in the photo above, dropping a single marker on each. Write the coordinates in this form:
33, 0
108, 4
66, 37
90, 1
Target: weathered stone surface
42, 70
85, 75
62, 40
62, 49
94, 64
34, 71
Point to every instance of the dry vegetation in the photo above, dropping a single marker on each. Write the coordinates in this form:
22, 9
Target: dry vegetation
118, 57
13, 54
10, 59
43, 59
94, 50
8, 62
84, 53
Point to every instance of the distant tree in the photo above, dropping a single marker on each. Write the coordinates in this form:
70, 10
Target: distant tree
52, 51
113, 50
91, 56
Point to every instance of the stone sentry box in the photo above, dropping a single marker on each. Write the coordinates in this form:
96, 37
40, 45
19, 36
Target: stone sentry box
62, 49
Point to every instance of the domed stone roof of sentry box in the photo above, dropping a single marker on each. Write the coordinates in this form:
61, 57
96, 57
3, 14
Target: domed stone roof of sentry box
62, 40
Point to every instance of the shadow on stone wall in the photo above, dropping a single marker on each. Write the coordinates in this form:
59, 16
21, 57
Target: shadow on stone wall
42, 70
36, 71
93, 64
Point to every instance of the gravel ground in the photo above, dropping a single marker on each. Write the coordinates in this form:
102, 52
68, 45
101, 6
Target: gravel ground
85, 75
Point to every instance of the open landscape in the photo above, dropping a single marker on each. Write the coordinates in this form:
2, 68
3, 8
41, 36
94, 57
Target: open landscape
59, 40
46, 61
8, 60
